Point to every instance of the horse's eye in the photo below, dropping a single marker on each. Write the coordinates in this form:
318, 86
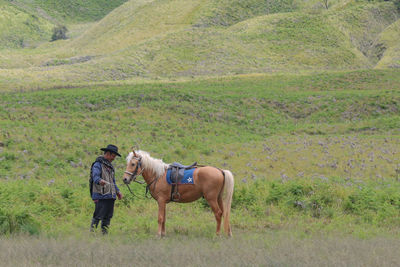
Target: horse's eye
133, 164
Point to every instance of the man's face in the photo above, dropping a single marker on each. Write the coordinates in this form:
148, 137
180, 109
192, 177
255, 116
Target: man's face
110, 156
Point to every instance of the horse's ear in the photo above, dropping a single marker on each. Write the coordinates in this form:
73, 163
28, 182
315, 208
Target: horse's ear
134, 153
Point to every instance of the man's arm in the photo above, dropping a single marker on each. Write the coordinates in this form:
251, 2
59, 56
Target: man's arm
116, 187
119, 194
96, 172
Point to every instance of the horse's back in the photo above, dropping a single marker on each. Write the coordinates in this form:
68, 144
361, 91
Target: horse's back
209, 174
209, 178
208, 182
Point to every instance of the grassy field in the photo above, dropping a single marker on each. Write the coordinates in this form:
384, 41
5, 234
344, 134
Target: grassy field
317, 153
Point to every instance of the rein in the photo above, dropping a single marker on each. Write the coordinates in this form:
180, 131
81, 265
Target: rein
132, 191
148, 188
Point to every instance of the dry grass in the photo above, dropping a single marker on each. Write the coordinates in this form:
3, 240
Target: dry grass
264, 249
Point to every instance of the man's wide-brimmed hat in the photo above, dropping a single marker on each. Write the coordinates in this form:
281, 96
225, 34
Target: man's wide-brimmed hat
111, 148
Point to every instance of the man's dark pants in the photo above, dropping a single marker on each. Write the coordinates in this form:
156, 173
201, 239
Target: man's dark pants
103, 212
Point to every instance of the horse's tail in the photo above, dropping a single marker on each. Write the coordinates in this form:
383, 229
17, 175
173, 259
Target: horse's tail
227, 200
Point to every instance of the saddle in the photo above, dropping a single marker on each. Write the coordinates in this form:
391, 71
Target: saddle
177, 173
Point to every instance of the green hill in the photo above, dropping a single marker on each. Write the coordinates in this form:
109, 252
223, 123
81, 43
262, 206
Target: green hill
21, 29
363, 24
134, 22
69, 11
388, 46
229, 12
27, 23
279, 42
167, 39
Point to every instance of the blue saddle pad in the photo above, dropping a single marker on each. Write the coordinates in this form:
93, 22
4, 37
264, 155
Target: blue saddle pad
187, 177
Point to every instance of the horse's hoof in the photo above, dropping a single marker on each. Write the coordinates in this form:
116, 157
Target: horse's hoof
160, 236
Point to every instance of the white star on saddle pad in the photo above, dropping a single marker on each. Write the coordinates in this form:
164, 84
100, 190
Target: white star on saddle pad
189, 179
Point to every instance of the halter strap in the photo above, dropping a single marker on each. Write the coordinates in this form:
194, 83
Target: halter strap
135, 174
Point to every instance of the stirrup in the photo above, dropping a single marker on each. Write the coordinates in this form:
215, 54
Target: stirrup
176, 198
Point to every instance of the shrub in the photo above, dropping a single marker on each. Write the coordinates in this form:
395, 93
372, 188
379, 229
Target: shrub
59, 33
397, 4
17, 221
291, 192
244, 196
368, 199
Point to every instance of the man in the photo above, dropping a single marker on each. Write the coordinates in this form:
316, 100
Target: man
103, 188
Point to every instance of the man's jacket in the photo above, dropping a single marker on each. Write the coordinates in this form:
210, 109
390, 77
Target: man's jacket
102, 169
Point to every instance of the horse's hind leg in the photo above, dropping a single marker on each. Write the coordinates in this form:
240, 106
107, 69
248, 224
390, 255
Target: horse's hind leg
221, 204
161, 218
217, 212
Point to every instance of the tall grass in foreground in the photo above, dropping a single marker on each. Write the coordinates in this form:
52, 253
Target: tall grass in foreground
243, 250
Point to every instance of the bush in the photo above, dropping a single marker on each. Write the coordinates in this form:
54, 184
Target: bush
397, 4
368, 199
244, 196
290, 192
17, 221
59, 33
309, 197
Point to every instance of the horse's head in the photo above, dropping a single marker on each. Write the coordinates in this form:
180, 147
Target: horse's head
134, 167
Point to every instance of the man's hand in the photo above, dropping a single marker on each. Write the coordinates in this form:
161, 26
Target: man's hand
119, 195
102, 182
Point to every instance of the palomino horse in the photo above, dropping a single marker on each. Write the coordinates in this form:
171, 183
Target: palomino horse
214, 184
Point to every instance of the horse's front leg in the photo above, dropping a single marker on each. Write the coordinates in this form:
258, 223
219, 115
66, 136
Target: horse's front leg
161, 218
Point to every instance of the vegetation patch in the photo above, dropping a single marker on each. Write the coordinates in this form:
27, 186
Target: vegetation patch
19, 220
19, 29
363, 24
227, 13
69, 61
71, 11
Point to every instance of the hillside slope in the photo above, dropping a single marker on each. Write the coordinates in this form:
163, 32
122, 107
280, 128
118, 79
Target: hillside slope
133, 22
270, 43
230, 12
175, 38
70, 11
21, 29
389, 47
363, 24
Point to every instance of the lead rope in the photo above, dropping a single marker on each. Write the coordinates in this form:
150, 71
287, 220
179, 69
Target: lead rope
133, 194
148, 188
130, 190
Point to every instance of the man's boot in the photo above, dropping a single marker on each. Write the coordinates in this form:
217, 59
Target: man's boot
104, 226
94, 224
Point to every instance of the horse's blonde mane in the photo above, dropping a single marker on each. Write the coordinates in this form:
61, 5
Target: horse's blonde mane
157, 166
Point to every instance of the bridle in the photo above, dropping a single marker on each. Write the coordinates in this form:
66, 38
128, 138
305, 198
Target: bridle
135, 173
